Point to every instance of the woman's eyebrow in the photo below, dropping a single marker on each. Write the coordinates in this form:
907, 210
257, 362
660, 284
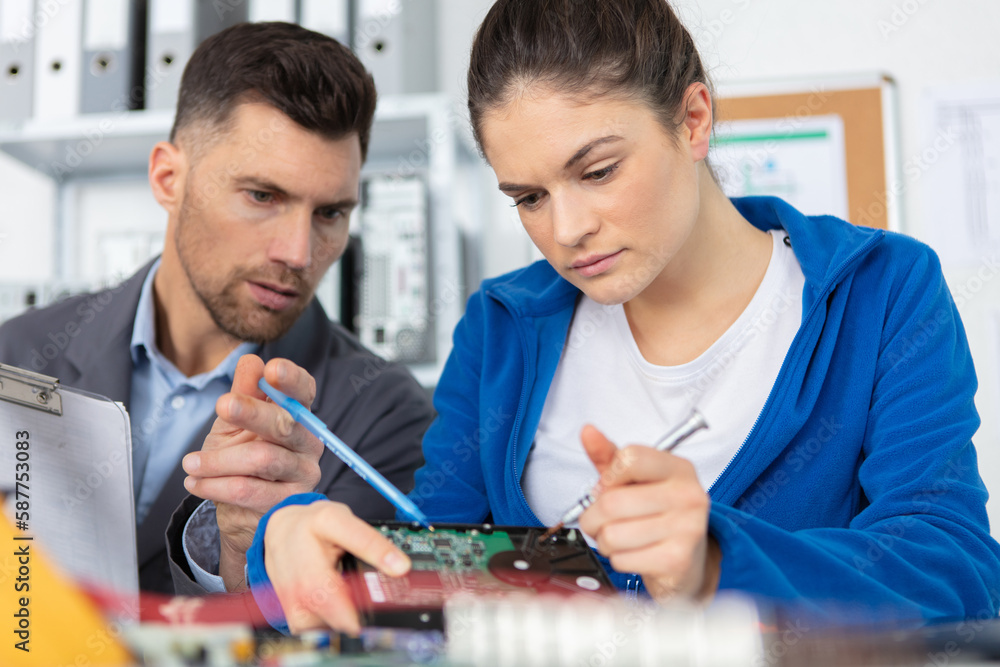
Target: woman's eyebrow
579, 155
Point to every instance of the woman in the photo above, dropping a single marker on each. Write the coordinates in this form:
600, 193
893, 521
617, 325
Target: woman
828, 359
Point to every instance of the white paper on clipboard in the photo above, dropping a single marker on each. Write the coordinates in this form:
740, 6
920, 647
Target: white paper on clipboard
78, 489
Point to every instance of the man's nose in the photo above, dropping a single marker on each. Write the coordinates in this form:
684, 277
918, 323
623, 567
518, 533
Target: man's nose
291, 243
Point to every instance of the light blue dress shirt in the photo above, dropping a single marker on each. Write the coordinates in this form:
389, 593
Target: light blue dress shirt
167, 409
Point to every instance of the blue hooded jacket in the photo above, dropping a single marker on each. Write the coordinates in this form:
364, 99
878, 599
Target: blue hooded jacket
856, 488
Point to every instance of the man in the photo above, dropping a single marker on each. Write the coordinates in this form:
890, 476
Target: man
258, 179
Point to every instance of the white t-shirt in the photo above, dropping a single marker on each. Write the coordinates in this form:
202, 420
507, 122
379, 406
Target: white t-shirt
603, 379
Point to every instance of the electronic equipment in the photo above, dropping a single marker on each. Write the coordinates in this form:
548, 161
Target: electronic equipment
395, 319
478, 559
555, 631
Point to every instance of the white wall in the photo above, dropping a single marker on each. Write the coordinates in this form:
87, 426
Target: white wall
506, 245
27, 207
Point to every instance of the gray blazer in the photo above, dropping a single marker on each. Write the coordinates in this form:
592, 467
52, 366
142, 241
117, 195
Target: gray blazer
376, 407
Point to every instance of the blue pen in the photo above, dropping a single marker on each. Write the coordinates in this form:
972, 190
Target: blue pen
313, 424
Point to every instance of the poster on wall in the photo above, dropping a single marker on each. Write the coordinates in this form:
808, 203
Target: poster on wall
804, 163
958, 170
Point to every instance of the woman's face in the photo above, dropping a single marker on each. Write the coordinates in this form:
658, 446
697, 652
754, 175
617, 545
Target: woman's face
604, 191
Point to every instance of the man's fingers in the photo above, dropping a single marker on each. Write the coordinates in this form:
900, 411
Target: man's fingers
253, 459
249, 369
246, 492
268, 421
243, 407
291, 380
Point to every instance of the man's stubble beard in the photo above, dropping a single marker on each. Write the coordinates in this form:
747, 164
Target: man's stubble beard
256, 323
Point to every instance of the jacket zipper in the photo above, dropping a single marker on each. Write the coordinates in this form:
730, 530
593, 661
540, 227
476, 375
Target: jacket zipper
796, 342
522, 406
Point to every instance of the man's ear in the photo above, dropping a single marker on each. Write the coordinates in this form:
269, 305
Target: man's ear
168, 167
698, 119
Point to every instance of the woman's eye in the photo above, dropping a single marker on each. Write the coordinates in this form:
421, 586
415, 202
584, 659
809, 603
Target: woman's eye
529, 201
601, 174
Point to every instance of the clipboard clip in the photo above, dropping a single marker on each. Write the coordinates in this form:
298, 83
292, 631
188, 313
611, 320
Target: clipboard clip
30, 389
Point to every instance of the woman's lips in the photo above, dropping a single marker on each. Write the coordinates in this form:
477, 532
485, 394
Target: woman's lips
596, 264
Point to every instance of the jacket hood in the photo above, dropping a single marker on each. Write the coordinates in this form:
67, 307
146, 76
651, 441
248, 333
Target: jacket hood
820, 243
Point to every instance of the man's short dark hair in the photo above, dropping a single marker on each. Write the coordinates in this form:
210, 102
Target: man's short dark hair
311, 78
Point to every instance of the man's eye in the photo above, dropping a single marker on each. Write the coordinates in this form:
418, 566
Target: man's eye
330, 213
261, 197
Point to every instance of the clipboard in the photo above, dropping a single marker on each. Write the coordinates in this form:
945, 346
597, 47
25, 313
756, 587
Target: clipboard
66, 472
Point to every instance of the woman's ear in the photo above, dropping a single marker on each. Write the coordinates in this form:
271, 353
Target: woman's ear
698, 119
167, 171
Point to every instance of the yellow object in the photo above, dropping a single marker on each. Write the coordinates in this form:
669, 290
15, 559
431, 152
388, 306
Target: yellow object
45, 621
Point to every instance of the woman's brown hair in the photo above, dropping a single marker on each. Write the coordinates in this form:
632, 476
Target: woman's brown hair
626, 47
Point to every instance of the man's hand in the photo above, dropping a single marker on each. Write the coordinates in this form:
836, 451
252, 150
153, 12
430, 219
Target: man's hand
651, 517
303, 546
254, 457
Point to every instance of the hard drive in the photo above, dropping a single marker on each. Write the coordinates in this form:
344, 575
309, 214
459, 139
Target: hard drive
479, 559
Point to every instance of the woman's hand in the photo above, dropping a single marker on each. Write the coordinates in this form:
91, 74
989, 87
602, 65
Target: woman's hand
651, 518
303, 546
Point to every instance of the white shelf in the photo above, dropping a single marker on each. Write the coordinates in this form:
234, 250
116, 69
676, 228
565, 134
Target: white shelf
88, 146
97, 145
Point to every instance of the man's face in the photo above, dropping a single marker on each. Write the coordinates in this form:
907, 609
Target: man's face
263, 216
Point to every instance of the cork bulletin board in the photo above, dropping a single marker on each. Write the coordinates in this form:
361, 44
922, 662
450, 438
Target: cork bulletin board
866, 107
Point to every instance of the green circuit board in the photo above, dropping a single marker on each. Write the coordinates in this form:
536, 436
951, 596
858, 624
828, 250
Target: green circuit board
471, 558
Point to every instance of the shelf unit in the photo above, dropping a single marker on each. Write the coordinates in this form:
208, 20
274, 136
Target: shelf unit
412, 134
